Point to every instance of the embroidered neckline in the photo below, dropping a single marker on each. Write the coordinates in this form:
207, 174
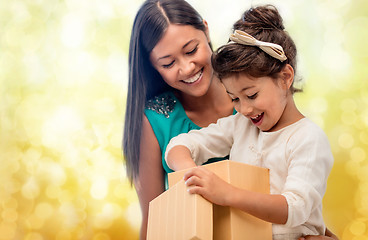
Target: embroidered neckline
163, 104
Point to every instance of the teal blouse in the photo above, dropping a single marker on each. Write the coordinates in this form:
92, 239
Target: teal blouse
168, 119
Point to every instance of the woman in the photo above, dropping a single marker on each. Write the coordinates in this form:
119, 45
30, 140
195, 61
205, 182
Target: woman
171, 90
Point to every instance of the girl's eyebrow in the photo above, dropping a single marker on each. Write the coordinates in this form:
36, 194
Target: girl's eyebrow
246, 88
166, 56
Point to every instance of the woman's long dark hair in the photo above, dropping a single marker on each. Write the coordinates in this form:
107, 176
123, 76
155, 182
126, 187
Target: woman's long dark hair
151, 22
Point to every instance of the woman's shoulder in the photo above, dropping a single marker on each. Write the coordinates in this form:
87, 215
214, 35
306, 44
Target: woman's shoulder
162, 105
165, 112
167, 117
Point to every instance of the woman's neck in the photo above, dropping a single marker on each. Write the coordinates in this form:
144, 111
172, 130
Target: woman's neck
208, 108
215, 95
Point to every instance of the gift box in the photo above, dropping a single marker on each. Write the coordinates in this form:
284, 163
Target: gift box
176, 214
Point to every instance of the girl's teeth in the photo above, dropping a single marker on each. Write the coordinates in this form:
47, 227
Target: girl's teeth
194, 78
254, 118
257, 118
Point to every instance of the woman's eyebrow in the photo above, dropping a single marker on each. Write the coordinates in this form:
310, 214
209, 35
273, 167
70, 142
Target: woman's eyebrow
187, 43
163, 57
184, 46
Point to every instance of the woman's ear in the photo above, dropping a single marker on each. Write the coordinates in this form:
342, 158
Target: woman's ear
287, 76
207, 32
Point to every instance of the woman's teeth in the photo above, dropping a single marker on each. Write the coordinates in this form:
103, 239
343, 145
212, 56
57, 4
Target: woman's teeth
194, 78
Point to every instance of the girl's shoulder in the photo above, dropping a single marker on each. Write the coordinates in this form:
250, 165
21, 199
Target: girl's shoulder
307, 127
307, 132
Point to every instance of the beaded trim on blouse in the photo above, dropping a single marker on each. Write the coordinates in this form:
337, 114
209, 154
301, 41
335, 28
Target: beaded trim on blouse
164, 104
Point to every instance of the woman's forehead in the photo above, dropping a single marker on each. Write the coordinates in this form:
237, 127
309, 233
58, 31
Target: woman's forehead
176, 38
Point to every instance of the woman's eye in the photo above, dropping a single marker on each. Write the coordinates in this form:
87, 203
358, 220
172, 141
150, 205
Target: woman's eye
192, 51
253, 96
168, 65
235, 99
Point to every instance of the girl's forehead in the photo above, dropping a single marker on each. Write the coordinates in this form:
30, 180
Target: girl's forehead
242, 82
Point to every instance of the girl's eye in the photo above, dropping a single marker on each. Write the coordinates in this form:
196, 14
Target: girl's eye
253, 96
168, 65
235, 99
192, 51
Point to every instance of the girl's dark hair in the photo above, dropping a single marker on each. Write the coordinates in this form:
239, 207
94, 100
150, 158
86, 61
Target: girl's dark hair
265, 24
151, 22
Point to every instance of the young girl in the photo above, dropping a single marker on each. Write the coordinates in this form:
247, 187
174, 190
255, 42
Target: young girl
257, 69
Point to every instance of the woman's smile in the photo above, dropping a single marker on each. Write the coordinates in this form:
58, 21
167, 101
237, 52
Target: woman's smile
194, 78
183, 59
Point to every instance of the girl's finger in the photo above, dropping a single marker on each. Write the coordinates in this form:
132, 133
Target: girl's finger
193, 180
195, 190
197, 171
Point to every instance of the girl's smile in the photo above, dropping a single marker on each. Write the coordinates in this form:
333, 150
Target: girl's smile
267, 102
257, 120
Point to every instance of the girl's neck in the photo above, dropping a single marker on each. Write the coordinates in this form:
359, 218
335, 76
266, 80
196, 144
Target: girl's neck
290, 115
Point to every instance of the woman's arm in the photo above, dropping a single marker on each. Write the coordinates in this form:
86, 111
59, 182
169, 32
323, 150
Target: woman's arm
328, 236
150, 182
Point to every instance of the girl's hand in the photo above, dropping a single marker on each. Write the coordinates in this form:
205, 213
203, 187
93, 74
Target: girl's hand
202, 181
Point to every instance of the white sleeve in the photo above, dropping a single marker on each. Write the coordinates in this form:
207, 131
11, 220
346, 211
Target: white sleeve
215, 140
310, 162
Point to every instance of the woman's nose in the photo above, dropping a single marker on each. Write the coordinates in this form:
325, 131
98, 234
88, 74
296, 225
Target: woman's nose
186, 68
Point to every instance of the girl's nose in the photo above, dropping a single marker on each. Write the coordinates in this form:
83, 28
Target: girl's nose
246, 109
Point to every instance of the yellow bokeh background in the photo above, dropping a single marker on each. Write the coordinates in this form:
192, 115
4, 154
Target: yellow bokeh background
63, 83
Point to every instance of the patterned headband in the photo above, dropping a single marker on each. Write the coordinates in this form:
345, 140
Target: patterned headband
271, 49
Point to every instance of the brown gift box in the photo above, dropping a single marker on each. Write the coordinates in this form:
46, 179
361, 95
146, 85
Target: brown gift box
176, 214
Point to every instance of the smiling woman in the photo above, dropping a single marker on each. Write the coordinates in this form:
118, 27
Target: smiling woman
171, 90
184, 63
64, 73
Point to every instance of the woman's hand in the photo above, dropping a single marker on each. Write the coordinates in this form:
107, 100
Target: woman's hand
204, 182
329, 236
309, 237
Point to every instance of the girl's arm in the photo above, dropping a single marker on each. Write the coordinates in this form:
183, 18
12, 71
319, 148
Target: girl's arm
198, 146
179, 157
150, 182
271, 208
